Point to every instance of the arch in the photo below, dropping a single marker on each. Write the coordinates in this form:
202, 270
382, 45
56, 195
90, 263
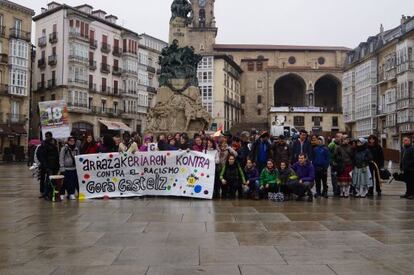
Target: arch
289, 90
83, 127
328, 92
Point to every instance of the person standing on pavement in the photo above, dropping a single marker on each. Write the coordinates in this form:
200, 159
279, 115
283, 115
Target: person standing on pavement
68, 168
321, 163
334, 174
361, 176
48, 156
301, 146
281, 151
343, 164
407, 167
377, 163
261, 151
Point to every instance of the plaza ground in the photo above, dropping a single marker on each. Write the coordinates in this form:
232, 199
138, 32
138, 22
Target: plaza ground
186, 236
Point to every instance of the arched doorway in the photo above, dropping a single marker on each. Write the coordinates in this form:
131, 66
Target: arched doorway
289, 90
328, 93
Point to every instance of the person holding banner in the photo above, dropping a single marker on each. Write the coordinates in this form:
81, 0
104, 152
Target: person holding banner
68, 168
232, 179
127, 145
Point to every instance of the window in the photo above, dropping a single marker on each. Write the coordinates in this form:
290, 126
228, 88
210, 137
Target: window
321, 60
259, 99
299, 121
242, 99
317, 120
259, 112
259, 66
53, 97
259, 84
250, 66
335, 121
103, 84
292, 60
18, 24
42, 98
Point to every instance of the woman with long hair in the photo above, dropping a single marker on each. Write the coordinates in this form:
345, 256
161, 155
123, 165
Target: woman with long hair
89, 145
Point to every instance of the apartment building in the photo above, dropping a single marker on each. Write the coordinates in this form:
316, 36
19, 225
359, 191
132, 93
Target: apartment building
15, 69
379, 79
84, 57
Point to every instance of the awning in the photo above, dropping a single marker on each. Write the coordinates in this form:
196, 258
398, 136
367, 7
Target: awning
115, 125
5, 130
18, 130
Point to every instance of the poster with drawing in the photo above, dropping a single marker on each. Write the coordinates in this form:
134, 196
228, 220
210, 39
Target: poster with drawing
54, 118
175, 173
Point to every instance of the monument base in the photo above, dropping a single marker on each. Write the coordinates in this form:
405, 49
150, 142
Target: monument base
178, 112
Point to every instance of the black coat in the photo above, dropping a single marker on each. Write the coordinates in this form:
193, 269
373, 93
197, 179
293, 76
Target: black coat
407, 159
377, 155
48, 155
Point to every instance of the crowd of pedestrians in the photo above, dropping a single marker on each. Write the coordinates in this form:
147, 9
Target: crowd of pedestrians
250, 165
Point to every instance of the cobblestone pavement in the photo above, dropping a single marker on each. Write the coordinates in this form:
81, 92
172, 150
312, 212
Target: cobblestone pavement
184, 236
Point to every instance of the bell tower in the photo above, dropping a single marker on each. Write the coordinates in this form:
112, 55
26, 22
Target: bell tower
203, 30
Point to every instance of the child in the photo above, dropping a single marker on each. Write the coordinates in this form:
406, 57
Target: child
251, 186
232, 179
361, 176
268, 179
286, 174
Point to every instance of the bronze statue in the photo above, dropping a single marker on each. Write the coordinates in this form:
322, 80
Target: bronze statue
183, 9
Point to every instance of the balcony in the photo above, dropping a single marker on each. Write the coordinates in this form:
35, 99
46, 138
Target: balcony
105, 90
117, 51
110, 112
151, 69
76, 34
52, 60
232, 102
117, 91
78, 81
2, 31
19, 34
41, 42
53, 38
77, 107
93, 44
41, 63
105, 48
40, 86
51, 83
4, 89
92, 65
92, 88
105, 68
116, 71
4, 59
16, 119
79, 59
151, 89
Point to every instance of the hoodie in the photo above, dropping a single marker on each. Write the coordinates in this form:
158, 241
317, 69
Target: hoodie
304, 172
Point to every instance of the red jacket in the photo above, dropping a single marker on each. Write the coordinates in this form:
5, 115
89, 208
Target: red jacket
89, 149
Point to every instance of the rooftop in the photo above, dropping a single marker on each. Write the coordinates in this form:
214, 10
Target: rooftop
253, 47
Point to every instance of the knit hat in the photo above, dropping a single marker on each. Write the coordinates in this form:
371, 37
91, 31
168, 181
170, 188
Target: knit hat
321, 138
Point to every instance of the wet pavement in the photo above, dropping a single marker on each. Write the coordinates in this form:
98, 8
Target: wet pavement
185, 236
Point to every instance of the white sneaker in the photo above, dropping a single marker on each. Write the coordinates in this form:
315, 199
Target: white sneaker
72, 197
62, 197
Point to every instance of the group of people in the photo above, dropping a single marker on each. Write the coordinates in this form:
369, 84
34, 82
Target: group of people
250, 165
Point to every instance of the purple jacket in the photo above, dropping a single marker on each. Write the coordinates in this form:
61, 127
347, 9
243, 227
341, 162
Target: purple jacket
305, 172
252, 175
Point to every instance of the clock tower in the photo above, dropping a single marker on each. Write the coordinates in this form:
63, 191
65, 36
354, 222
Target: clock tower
203, 30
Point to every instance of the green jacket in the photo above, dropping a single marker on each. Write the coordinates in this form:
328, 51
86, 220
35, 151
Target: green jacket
269, 177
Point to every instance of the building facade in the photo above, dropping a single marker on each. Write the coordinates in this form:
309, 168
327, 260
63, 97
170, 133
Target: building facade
379, 77
301, 83
15, 71
84, 57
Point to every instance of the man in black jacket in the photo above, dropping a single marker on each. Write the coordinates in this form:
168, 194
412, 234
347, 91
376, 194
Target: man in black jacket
407, 167
48, 156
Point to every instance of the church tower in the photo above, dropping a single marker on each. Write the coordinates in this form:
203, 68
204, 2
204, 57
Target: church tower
203, 30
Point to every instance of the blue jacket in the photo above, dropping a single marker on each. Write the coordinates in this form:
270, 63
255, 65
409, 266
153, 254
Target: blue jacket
252, 174
298, 148
321, 157
305, 172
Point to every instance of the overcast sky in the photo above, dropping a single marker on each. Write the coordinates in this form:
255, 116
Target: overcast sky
301, 22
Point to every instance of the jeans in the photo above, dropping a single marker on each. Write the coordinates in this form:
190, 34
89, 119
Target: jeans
70, 182
321, 177
253, 188
334, 180
300, 189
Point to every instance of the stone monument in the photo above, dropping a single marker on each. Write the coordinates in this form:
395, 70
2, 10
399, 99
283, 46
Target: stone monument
178, 105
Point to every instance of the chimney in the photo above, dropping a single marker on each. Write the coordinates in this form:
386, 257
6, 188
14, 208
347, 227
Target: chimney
52, 5
403, 19
381, 29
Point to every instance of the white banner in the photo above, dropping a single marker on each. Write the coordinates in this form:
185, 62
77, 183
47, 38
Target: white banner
166, 173
54, 118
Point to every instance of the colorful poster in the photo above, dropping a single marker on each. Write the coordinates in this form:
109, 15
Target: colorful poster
54, 118
170, 173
